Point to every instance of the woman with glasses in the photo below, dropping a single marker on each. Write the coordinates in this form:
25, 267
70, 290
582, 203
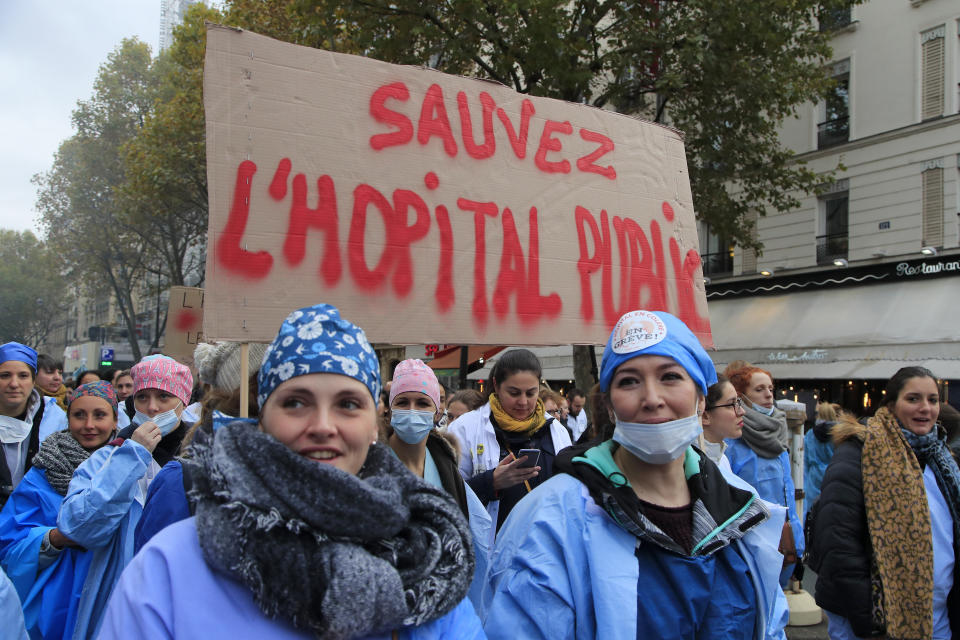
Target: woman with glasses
762, 456
551, 403
722, 419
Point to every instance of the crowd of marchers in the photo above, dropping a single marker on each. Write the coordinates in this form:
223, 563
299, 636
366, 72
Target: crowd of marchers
658, 504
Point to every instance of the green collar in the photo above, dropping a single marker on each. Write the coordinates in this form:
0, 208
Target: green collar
600, 458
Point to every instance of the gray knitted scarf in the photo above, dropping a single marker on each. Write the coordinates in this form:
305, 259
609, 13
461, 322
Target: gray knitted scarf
766, 435
60, 455
339, 555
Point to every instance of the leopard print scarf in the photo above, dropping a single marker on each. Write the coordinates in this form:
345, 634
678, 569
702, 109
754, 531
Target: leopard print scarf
898, 520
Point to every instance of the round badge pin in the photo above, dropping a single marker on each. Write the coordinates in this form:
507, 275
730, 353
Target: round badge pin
636, 331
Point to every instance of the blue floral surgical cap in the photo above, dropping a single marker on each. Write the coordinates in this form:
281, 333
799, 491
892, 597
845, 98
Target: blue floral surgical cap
317, 340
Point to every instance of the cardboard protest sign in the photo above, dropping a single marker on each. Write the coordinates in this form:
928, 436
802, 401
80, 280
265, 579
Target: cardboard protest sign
184, 323
433, 208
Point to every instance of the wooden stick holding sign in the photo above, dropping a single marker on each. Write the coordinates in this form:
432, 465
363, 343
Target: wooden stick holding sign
244, 379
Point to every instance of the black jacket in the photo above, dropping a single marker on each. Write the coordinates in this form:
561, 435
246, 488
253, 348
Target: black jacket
482, 483
840, 548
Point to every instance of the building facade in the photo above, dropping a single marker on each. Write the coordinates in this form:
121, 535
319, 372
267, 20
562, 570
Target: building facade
864, 277
171, 15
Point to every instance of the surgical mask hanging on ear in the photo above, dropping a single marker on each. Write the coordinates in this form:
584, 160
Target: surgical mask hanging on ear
13, 431
166, 421
411, 426
658, 443
764, 410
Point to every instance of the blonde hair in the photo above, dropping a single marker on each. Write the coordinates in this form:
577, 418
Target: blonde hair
826, 412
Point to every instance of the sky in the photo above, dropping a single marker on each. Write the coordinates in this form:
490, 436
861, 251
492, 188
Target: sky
50, 52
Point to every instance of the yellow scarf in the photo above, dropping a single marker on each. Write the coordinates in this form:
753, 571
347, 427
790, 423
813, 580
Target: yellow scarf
526, 427
60, 395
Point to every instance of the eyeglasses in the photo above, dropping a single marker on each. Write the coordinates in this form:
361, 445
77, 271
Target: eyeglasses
736, 404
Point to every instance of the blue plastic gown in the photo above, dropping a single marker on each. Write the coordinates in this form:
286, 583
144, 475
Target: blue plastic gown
100, 511
54, 418
168, 591
167, 503
561, 568
10, 611
49, 594
773, 482
816, 457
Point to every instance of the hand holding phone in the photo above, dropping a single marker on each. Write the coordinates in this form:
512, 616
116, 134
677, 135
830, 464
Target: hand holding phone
533, 456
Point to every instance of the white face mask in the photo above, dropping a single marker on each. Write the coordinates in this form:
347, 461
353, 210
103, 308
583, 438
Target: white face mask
658, 443
167, 421
13, 431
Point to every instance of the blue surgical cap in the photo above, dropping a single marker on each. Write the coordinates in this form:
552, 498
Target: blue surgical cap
20, 353
317, 340
656, 333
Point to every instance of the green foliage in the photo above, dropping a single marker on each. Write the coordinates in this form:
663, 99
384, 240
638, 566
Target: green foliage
84, 218
32, 292
165, 187
724, 72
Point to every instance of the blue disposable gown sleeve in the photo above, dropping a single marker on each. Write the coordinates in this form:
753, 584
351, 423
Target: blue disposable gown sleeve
141, 605
531, 595
54, 419
101, 492
481, 526
10, 611
743, 462
30, 512
166, 503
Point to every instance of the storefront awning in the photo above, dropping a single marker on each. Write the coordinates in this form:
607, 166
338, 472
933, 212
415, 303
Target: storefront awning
557, 363
450, 358
857, 332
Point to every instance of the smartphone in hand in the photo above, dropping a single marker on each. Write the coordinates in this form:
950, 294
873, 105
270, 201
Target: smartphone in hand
533, 456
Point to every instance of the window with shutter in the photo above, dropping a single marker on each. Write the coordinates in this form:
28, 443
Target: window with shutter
749, 256
932, 73
933, 208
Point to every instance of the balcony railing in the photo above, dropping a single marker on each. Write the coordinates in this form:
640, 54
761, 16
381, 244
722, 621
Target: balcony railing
833, 19
832, 247
717, 264
833, 132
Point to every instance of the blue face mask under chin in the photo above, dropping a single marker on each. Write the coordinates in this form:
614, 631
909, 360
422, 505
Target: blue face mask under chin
166, 421
411, 426
764, 410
